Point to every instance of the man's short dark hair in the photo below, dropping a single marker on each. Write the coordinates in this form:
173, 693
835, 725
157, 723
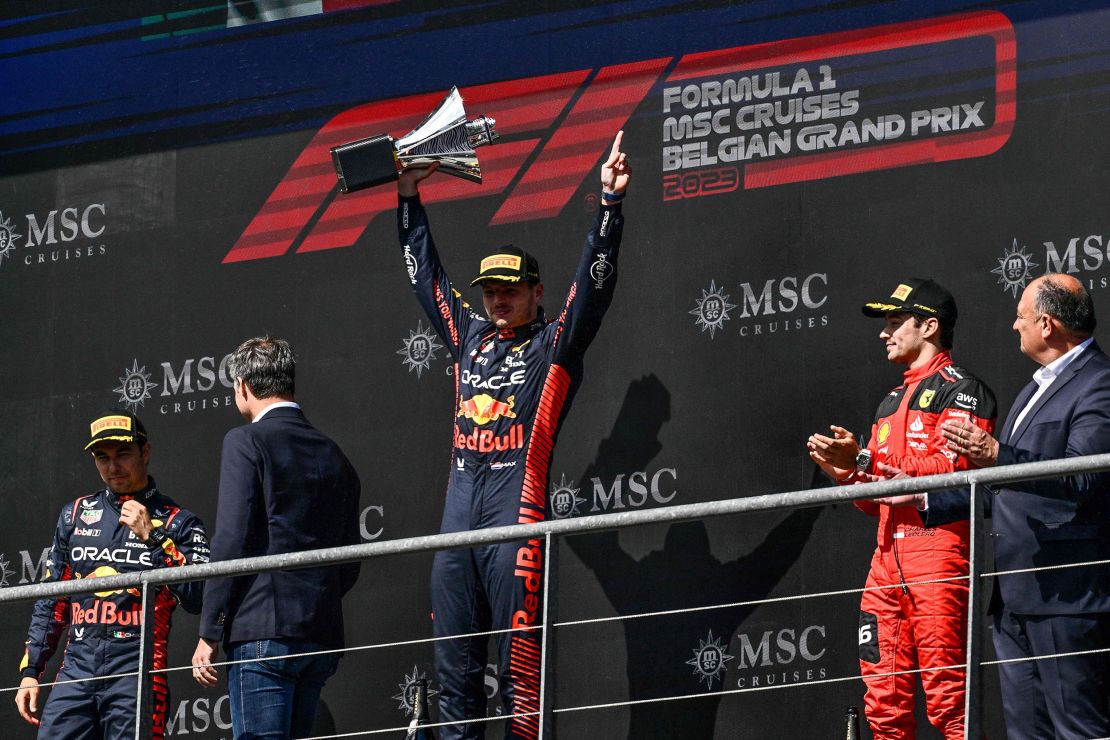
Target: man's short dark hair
1074, 309
266, 365
947, 335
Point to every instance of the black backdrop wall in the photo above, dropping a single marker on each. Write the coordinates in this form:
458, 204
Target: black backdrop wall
165, 192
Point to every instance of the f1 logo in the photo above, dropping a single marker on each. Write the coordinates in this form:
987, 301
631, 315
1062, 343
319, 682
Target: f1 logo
538, 169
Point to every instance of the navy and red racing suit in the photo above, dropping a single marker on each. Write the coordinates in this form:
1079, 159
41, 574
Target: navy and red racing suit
513, 388
103, 627
905, 624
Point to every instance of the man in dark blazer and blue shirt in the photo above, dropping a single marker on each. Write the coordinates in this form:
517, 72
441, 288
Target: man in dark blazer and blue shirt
1064, 412
284, 487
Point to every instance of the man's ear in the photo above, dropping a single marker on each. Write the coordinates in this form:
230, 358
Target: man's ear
539, 291
930, 328
1048, 325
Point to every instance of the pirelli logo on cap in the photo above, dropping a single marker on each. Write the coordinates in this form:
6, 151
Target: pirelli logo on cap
902, 292
122, 423
501, 260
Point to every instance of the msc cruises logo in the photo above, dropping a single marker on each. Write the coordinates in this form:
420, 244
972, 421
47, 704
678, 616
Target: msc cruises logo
134, 386
712, 309
420, 349
8, 235
407, 698
5, 572
709, 660
1015, 269
565, 499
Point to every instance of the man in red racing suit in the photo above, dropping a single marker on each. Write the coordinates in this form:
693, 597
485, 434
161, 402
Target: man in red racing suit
907, 624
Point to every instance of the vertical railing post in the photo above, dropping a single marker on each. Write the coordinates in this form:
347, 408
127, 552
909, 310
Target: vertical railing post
973, 704
143, 691
547, 638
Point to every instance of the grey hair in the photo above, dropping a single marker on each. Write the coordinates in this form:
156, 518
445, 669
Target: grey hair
1074, 309
266, 365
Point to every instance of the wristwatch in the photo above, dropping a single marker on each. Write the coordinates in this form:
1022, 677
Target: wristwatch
156, 537
863, 460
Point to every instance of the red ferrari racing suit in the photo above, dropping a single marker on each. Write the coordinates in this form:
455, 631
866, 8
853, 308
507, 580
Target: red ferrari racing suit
905, 624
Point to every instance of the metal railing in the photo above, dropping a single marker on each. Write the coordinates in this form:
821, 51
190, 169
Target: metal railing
148, 581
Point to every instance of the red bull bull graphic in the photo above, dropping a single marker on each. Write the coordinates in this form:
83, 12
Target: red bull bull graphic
103, 571
484, 408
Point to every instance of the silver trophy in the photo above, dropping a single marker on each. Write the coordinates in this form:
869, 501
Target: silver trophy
445, 136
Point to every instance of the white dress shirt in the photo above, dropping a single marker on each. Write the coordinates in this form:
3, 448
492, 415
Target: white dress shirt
275, 405
1045, 376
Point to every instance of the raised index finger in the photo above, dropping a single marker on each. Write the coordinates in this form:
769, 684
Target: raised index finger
616, 150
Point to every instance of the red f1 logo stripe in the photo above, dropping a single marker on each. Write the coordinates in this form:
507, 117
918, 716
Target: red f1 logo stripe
570, 153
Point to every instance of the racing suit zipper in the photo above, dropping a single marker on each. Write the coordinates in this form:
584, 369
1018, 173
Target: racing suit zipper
898, 565
894, 549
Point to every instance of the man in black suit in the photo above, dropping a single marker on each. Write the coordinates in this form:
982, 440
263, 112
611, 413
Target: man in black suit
1064, 412
284, 487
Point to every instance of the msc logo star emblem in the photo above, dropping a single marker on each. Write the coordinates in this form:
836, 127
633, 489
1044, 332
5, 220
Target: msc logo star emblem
712, 309
8, 236
565, 499
407, 696
709, 660
420, 349
134, 387
5, 572
1015, 269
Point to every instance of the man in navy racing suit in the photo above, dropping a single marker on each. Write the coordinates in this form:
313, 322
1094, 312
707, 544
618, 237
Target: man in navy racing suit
128, 526
516, 374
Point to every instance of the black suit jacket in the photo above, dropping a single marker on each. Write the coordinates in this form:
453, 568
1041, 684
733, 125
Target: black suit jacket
284, 487
1051, 521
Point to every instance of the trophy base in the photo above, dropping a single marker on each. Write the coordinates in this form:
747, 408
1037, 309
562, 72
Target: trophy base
365, 163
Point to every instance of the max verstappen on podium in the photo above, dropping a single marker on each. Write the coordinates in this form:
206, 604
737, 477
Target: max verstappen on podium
517, 372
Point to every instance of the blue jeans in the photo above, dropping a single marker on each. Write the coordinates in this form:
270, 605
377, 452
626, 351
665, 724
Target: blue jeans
276, 698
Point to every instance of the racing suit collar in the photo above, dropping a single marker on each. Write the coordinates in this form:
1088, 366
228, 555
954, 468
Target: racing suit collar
525, 331
144, 495
944, 359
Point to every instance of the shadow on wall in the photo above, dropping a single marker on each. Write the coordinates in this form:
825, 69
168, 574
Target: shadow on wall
684, 574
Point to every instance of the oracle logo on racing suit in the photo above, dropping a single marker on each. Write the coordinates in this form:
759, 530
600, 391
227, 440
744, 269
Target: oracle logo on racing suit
118, 555
474, 380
